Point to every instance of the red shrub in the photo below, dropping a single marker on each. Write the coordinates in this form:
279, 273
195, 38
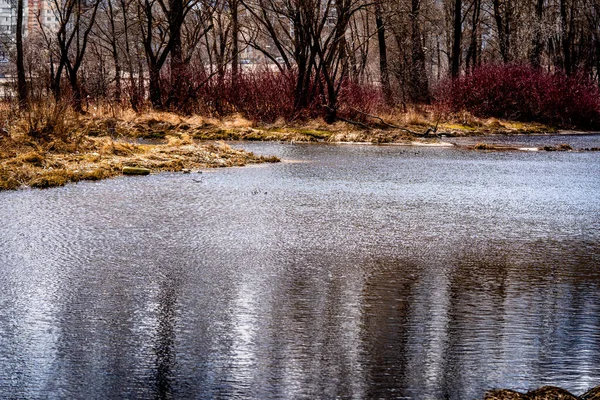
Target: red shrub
262, 95
265, 95
355, 99
523, 93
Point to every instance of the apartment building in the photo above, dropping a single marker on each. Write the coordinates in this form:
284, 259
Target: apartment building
40, 12
8, 27
8, 17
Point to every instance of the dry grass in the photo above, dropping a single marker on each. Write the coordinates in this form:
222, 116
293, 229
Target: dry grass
543, 393
159, 125
92, 147
560, 147
50, 145
484, 146
497, 147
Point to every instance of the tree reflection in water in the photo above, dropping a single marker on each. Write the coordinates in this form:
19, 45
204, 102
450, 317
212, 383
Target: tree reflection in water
165, 335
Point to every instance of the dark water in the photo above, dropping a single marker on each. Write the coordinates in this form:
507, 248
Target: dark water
360, 272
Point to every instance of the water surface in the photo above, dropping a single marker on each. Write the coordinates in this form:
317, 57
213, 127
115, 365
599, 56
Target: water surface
352, 272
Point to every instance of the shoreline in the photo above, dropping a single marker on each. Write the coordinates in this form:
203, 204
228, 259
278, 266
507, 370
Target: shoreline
98, 147
46, 165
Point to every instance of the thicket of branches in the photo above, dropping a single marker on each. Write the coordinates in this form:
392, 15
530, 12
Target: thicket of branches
293, 58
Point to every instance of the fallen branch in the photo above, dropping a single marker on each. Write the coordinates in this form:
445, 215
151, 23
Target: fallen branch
357, 123
385, 123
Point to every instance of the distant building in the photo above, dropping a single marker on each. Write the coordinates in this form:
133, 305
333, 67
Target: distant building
41, 12
8, 18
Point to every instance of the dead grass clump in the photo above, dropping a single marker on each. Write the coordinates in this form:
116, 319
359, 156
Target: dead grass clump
95, 174
564, 147
414, 117
237, 121
182, 140
31, 157
550, 393
64, 146
592, 394
270, 159
8, 183
560, 147
483, 146
217, 134
50, 146
468, 119
47, 121
170, 165
118, 148
218, 147
543, 393
153, 118
53, 178
7, 180
101, 126
503, 394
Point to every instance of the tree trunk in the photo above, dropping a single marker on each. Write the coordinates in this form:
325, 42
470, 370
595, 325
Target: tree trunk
419, 83
21, 79
117, 75
597, 40
302, 87
383, 62
474, 47
457, 34
503, 26
536, 52
115, 54
55, 79
134, 92
235, 27
176, 95
154, 89
567, 35
76, 89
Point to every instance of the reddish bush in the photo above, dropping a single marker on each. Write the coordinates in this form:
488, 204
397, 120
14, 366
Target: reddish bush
262, 95
523, 93
259, 96
355, 99
266, 95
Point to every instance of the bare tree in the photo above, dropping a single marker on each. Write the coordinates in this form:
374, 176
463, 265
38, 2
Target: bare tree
383, 57
456, 38
21, 78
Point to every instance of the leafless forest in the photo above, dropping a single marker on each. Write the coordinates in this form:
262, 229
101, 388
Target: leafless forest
287, 58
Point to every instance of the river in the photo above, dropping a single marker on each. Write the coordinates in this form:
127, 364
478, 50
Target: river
346, 271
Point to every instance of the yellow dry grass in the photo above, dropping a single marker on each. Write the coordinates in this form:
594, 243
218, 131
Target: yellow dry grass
50, 145
93, 147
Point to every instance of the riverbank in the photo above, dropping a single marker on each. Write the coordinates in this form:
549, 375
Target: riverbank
50, 147
411, 128
398, 128
25, 162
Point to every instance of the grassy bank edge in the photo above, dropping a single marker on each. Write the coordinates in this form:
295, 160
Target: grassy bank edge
48, 148
26, 162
